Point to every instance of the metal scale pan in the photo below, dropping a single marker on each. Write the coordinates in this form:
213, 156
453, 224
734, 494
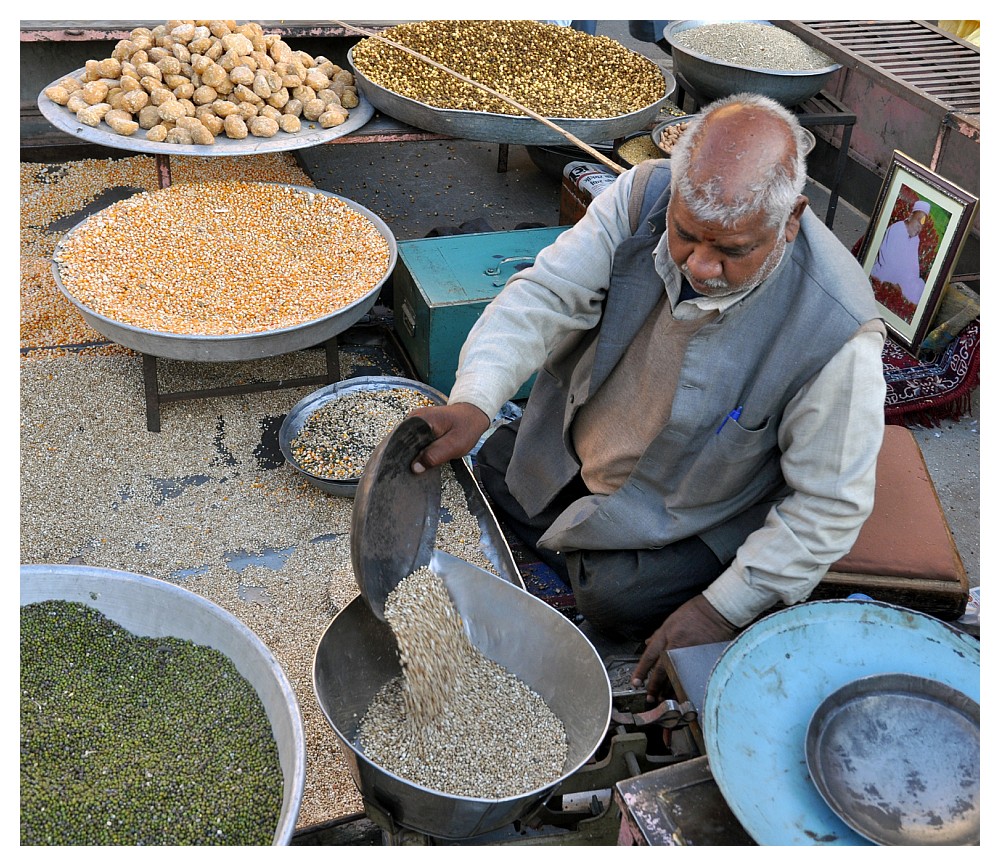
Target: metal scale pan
505, 128
866, 749
392, 534
237, 347
311, 134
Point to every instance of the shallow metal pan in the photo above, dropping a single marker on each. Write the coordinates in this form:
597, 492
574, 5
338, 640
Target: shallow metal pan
302, 411
897, 758
504, 128
236, 347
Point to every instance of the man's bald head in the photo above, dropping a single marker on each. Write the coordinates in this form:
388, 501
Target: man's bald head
742, 155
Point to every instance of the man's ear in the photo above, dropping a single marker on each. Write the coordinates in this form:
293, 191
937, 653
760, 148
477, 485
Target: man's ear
795, 219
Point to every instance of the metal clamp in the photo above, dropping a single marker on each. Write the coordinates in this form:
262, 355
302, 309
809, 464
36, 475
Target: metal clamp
670, 714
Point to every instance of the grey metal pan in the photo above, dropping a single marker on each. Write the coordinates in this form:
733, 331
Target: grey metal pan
505, 128
237, 347
310, 135
896, 756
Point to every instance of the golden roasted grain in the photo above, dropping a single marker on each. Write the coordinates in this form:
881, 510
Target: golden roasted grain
555, 71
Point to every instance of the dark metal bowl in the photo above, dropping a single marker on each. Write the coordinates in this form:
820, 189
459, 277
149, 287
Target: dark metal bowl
643, 138
713, 78
551, 159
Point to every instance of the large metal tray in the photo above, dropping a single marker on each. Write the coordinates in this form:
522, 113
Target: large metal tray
713, 78
503, 128
867, 752
236, 347
310, 134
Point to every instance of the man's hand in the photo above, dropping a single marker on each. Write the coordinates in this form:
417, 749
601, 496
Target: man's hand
694, 622
456, 430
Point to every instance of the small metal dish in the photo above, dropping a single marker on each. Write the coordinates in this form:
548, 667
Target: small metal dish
309, 405
642, 142
896, 757
660, 127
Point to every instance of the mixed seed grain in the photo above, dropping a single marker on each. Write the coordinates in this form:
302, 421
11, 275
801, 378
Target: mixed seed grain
337, 440
456, 721
555, 71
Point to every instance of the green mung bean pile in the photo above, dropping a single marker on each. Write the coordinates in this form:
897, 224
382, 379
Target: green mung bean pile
129, 740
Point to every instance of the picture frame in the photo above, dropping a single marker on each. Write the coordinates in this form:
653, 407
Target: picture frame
916, 233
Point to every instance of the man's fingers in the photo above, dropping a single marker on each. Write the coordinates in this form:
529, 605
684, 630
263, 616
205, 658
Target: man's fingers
655, 684
646, 661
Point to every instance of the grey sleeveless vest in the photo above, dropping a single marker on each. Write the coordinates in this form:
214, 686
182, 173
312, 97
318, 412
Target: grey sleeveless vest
698, 476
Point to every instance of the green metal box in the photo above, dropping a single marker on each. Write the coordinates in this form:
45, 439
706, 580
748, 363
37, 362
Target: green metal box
440, 286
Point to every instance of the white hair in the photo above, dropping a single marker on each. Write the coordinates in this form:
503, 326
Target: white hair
773, 194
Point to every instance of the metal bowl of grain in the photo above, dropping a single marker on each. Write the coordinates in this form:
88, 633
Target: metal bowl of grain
151, 608
665, 135
636, 148
593, 87
328, 436
226, 271
358, 655
722, 58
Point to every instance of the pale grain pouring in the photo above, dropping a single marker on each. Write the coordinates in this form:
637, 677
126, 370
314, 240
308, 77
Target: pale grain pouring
223, 259
455, 721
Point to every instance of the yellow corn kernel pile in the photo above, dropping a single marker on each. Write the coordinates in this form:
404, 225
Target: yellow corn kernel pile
222, 259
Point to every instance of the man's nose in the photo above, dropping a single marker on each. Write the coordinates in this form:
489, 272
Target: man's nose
704, 264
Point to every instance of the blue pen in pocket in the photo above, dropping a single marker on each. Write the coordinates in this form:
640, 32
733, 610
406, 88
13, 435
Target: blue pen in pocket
734, 415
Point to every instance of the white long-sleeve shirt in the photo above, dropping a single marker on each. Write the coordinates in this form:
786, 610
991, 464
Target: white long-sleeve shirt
829, 434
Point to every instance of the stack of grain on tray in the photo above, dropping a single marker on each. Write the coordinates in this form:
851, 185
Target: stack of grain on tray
186, 82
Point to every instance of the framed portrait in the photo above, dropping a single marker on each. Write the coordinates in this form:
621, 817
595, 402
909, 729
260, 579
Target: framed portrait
915, 235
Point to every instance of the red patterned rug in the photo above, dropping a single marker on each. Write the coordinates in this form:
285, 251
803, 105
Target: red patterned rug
935, 389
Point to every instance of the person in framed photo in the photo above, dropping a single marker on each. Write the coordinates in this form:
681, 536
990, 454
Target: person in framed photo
898, 259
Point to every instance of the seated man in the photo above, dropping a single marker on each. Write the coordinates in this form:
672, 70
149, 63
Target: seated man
700, 442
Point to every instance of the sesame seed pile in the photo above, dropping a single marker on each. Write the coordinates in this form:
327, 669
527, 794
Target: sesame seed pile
456, 721
555, 71
337, 440
223, 258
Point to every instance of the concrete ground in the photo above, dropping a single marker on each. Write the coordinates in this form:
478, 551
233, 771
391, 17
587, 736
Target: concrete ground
420, 186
